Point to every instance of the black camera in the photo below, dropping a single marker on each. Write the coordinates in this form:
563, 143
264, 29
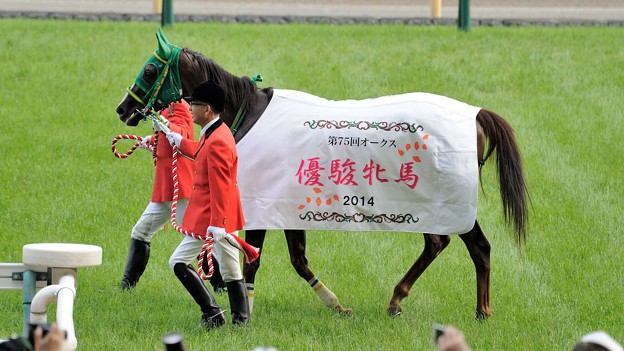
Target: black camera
438, 330
173, 342
45, 327
19, 343
31, 331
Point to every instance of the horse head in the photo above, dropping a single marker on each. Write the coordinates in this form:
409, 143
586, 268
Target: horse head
173, 72
156, 86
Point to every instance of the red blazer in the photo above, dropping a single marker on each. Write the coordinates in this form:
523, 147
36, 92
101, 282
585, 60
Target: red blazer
215, 200
180, 121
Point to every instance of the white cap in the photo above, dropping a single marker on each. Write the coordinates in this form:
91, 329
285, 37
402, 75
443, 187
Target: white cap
603, 339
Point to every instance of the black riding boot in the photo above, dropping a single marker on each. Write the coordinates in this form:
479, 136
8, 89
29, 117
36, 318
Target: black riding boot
239, 303
138, 255
218, 285
212, 314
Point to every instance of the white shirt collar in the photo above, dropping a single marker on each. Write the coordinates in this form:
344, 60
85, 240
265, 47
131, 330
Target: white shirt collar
203, 131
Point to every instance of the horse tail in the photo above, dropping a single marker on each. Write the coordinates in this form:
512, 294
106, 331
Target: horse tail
511, 180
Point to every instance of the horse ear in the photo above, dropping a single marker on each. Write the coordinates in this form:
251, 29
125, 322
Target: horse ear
164, 47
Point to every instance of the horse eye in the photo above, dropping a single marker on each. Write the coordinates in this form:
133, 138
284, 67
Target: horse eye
150, 73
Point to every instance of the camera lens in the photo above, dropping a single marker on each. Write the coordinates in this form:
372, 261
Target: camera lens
173, 342
45, 327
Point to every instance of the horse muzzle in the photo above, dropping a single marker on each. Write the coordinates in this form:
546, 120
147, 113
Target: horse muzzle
130, 116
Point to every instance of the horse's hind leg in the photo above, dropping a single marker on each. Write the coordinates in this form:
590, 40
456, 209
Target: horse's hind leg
479, 249
254, 238
434, 244
296, 240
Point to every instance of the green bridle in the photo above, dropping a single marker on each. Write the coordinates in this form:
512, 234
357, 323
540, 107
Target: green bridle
167, 88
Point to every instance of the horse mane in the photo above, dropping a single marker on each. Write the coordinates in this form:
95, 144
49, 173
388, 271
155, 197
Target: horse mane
240, 91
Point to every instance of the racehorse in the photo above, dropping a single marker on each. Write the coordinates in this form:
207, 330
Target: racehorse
172, 72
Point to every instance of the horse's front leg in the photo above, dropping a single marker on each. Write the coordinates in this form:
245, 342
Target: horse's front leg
254, 238
479, 248
434, 244
296, 240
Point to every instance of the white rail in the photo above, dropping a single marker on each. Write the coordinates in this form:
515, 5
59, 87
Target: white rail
52, 268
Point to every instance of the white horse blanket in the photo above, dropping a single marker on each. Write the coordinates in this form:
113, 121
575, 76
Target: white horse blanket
395, 163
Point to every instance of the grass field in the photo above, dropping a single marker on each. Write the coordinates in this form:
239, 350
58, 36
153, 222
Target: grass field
561, 89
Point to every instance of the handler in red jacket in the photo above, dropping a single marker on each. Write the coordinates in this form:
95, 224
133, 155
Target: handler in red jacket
214, 208
158, 211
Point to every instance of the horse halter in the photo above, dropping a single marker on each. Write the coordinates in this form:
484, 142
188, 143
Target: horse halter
167, 88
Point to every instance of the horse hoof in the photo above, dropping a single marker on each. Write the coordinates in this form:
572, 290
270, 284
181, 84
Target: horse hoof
344, 311
395, 311
481, 316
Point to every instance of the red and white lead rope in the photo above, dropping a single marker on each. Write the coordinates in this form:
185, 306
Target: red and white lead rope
134, 147
250, 253
206, 251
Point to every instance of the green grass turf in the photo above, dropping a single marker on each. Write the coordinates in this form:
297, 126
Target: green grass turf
560, 88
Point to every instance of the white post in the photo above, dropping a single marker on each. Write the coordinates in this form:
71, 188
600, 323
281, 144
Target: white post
65, 310
64, 293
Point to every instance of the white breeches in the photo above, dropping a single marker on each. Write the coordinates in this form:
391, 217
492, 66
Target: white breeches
154, 218
226, 254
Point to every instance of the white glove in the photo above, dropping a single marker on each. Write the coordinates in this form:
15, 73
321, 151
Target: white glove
161, 126
217, 233
164, 120
145, 143
174, 138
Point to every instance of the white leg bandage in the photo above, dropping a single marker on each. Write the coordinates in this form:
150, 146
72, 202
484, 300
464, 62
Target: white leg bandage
328, 297
250, 295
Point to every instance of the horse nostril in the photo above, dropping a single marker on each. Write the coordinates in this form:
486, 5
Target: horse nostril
120, 111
